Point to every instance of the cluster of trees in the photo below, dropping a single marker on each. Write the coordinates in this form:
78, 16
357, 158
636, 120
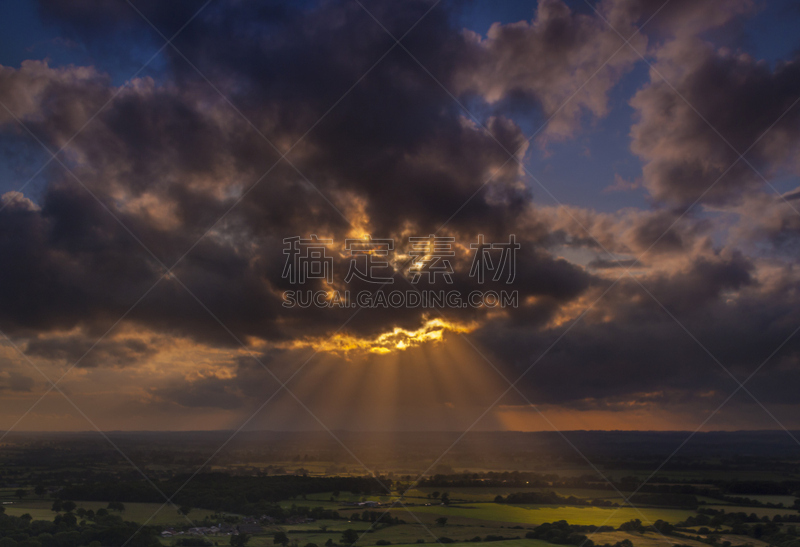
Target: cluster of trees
275, 511
720, 489
749, 502
769, 488
666, 499
379, 517
563, 533
443, 497
317, 513
766, 531
349, 537
68, 506
489, 479
716, 518
66, 531
636, 525
551, 498
491, 537
550, 480
740, 523
192, 542
221, 491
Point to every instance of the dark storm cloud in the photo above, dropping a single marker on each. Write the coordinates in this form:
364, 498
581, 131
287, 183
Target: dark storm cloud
168, 156
170, 160
727, 102
602, 263
210, 392
659, 234
105, 353
16, 382
682, 17
643, 350
249, 383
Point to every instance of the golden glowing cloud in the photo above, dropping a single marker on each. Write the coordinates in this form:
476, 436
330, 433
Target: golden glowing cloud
397, 339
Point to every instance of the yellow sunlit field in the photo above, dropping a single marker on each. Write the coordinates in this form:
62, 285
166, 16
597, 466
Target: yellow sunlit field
538, 514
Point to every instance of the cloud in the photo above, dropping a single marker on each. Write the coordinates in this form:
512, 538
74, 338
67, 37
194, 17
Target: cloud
166, 161
383, 149
627, 345
87, 352
682, 18
209, 392
716, 105
16, 382
622, 185
16, 200
28, 91
564, 62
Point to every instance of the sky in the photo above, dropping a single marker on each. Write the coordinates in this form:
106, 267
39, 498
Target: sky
159, 158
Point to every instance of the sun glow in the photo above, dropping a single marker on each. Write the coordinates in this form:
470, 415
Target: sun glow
398, 339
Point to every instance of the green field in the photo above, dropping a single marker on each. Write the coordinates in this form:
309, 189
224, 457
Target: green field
344, 496
640, 540
407, 534
538, 514
488, 494
505, 543
136, 512
648, 539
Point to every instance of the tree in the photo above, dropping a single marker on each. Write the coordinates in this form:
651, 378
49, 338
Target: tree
184, 510
446, 499
441, 521
635, 526
21, 493
116, 506
57, 506
40, 490
280, 538
349, 536
68, 506
665, 528
435, 495
239, 540
68, 519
